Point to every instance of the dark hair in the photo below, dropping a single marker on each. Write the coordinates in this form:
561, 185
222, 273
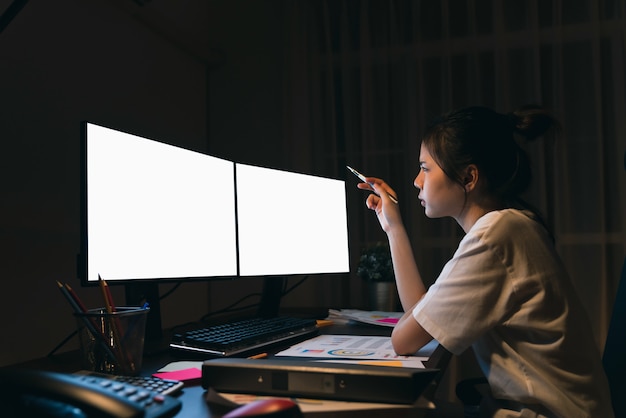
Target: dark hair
481, 136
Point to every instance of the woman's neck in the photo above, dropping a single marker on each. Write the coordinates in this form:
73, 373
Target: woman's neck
474, 210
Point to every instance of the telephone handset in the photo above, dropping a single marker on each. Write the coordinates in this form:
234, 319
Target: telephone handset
48, 394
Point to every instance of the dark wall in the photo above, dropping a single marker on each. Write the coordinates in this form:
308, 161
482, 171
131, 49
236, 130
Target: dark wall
245, 90
63, 62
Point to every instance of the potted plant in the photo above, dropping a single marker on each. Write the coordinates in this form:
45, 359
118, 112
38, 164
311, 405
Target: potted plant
376, 268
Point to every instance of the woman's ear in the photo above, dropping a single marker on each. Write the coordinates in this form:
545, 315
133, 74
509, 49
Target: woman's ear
470, 180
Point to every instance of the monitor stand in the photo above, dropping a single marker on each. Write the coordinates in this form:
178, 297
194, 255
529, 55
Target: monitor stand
137, 294
269, 306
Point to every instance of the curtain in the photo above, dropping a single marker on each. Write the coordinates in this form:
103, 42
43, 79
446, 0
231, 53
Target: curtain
364, 77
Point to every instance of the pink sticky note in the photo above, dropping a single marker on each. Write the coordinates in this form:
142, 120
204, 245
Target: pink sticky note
389, 320
185, 375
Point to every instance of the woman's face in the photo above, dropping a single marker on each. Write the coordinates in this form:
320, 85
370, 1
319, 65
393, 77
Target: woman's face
438, 194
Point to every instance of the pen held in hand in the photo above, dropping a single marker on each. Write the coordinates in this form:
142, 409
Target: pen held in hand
362, 178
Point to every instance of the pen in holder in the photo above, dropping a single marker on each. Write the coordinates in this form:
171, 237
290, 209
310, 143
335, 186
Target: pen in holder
112, 342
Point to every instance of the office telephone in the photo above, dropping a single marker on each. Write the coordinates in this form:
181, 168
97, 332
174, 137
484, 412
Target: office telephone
27, 393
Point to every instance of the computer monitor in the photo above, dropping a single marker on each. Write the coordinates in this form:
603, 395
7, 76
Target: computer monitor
290, 223
153, 212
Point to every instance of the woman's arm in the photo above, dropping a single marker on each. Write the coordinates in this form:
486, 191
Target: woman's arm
408, 336
408, 279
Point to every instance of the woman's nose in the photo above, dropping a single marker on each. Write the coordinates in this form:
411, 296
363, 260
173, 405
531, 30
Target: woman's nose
418, 181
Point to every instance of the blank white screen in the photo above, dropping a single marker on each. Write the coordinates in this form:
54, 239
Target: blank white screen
290, 223
157, 211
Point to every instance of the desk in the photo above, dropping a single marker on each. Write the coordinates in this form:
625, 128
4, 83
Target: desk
193, 397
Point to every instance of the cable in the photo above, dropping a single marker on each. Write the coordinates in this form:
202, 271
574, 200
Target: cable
62, 343
169, 292
230, 307
286, 291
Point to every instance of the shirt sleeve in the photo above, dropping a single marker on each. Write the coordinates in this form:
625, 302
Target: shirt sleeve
470, 296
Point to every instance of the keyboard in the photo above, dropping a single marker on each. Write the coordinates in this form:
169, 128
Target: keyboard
243, 336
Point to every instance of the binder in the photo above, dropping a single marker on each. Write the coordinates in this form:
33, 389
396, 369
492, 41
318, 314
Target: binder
317, 379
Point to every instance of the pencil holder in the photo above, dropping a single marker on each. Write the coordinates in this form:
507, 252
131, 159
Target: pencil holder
113, 342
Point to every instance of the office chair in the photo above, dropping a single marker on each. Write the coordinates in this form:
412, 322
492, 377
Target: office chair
469, 393
614, 357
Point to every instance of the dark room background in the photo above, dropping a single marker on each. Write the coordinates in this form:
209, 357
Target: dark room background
305, 85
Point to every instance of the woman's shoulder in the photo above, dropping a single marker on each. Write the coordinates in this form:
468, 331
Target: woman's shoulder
508, 224
505, 218
511, 234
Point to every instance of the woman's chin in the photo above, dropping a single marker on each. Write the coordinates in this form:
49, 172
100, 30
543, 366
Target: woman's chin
430, 214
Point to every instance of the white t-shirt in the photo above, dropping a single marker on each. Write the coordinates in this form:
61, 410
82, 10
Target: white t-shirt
506, 293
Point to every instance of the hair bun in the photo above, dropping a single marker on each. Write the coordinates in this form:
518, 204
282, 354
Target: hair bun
533, 121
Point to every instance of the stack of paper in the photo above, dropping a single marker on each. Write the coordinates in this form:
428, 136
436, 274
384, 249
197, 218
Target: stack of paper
385, 319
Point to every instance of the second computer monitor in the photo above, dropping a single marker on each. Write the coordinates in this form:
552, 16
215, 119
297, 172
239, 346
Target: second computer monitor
290, 223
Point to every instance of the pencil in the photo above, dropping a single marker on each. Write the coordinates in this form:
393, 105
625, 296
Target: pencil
88, 324
362, 178
106, 294
75, 307
80, 303
258, 356
116, 325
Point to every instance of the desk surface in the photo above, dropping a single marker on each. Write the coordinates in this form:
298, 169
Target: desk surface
193, 397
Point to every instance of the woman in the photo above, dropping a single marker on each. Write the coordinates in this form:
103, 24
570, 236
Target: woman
505, 291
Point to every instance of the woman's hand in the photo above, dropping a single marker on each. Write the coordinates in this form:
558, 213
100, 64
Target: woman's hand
386, 209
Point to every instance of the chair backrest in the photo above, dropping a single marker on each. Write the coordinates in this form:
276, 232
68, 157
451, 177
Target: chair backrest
614, 357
